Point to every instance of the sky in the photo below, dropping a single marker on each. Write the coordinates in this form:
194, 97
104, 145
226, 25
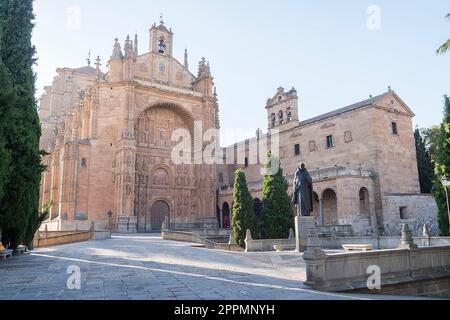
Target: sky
335, 53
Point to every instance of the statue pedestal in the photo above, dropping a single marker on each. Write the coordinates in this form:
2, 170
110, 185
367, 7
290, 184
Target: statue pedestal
302, 227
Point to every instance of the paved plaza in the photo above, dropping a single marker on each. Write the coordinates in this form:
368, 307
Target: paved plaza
145, 267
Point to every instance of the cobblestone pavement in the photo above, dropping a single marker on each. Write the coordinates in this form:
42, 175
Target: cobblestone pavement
143, 267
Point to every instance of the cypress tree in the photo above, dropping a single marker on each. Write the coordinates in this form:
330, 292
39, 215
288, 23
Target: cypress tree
244, 217
443, 169
277, 214
20, 204
6, 102
424, 163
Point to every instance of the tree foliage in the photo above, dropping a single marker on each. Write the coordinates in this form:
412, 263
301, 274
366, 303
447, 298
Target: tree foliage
446, 46
243, 214
20, 203
443, 168
424, 163
277, 214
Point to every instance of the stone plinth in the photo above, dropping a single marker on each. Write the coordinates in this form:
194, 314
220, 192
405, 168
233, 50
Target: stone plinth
302, 228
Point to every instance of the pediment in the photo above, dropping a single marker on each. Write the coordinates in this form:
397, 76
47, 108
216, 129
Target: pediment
393, 103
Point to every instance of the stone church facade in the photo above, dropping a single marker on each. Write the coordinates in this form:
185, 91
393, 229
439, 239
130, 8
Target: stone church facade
110, 151
109, 138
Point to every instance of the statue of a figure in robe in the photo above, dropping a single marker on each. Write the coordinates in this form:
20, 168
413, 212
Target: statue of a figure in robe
303, 192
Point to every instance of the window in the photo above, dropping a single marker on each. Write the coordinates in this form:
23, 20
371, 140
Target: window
221, 177
83, 163
403, 213
330, 142
281, 117
162, 46
394, 128
289, 114
274, 120
297, 150
246, 162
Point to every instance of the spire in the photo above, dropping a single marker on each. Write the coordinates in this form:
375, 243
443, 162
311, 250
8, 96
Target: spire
128, 48
117, 51
136, 49
186, 62
204, 69
161, 19
97, 65
89, 59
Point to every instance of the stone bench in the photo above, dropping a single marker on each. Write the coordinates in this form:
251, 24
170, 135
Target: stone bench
5, 254
286, 247
357, 247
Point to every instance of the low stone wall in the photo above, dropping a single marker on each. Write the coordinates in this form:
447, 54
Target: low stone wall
263, 245
60, 239
56, 238
184, 236
380, 242
267, 244
401, 267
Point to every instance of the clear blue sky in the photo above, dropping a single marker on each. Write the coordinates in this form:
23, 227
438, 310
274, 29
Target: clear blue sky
322, 48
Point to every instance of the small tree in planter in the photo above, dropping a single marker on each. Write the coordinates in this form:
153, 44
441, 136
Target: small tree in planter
243, 214
277, 215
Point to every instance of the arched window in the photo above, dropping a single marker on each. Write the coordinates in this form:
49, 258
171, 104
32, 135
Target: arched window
364, 203
274, 120
289, 113
162, 46
281, 115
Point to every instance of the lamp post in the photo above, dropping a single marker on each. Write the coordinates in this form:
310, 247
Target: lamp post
446, 183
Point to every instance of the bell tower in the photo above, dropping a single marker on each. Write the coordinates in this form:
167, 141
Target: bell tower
282, 110
161, 39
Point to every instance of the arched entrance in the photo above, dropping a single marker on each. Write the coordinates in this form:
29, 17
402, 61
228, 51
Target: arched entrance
226, 216
316, 207
364, 210
330, 207
159, 213
218, 217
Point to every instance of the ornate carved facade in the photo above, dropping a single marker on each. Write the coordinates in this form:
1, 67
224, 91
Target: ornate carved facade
111, 149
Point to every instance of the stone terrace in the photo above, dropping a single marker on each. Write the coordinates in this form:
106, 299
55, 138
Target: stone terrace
145, 267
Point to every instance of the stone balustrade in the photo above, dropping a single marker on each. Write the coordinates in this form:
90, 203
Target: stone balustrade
411, 271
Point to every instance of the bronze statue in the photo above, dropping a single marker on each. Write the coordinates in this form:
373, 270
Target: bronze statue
303, 192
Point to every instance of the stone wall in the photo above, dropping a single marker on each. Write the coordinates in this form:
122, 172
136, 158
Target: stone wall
195, 238
350, 271
383, 243
417, 210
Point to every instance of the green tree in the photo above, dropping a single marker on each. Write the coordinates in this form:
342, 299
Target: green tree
424, 163
6, 100
20, 203
446, 46
277, 216
431, 139
443, 168
35, 223
244, 217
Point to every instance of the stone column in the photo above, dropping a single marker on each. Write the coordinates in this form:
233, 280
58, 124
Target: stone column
221, 219
322, 212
